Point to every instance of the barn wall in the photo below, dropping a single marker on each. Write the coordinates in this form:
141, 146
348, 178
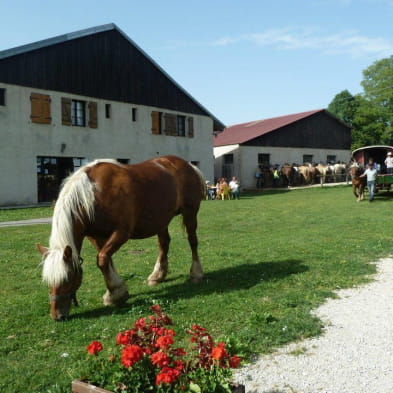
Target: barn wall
117, 137
246, 159
320, 131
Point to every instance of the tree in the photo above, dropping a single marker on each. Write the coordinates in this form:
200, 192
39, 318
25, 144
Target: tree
370, 114
378, 83
344, 106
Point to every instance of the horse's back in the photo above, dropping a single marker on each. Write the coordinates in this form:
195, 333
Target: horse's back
144, 197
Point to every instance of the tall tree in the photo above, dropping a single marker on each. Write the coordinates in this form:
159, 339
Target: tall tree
344, 106
370, 114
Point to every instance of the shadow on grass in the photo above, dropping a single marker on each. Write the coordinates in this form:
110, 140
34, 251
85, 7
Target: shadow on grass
383, 196
220, 281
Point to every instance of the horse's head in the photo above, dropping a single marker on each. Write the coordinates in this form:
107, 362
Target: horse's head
355, 169
64, 278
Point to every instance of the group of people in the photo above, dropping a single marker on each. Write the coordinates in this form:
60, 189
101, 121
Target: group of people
275, 171
222, 190
372, 172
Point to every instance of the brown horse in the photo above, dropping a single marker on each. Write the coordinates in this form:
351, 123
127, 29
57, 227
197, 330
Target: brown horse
109, 203
288, 174
358, 183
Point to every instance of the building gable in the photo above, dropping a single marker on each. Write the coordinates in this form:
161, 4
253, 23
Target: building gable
318, 131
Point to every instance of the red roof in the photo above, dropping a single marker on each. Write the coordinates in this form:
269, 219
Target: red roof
240, 133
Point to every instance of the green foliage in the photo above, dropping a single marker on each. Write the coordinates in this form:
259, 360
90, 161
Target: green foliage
344, 106
370, 114
268, 259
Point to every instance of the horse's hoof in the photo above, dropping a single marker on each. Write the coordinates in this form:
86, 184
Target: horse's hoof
196, 280
115, 297
153, 283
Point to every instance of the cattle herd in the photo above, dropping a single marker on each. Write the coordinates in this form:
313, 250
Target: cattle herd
306, 174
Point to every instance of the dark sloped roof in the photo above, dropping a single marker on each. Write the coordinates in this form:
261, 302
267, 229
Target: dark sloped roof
24, 49
240, 133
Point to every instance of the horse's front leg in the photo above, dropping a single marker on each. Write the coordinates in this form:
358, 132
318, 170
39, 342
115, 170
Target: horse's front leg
161, 267
116, 288
354, 190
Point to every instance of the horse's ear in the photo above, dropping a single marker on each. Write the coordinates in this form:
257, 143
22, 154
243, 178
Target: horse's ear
67, 255
43, 250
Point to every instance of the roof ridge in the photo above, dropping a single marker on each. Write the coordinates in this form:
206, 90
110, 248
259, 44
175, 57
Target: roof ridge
254, 122
240, 133
57, 40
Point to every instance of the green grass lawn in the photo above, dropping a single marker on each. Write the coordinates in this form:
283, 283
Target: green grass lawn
25, 213
268, 259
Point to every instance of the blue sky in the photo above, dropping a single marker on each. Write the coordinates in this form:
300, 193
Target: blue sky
243, 60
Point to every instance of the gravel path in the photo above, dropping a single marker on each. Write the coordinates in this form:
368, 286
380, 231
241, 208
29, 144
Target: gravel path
354, 355
33, 221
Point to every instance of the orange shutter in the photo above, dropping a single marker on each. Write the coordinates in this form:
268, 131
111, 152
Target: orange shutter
170, 124
93, 121
40, 108
155, 123
190, 121
66, 111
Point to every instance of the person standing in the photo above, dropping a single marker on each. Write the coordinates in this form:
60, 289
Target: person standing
276, 176
389, 163
234, 185
259, 177
371, 173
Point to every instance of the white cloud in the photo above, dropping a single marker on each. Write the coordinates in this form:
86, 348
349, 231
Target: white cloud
350, 43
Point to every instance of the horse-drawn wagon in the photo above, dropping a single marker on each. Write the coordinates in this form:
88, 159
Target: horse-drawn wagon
378, 154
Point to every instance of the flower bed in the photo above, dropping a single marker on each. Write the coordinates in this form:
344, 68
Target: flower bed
146, 359
84, 387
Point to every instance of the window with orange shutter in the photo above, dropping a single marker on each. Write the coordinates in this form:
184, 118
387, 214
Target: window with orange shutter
40, 108
93, 116
156, 123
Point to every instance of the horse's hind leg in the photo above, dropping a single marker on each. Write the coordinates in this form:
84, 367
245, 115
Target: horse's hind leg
190, 222
161, 267
116, 288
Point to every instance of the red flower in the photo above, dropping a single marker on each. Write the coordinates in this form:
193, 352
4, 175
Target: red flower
170, 332
178, 352
130, 355
140, 323
234, 361
122, 339
94, 347
164, 342
178, 365
160, 359
160, 331
167, 375
219, 351
156, 308
198, 328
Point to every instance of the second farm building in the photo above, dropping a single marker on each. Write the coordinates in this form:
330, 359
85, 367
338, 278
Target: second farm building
307, 137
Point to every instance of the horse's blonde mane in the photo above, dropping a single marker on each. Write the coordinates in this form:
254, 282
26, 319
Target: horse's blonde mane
75, 202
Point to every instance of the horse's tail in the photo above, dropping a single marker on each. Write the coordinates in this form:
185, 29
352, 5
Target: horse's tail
202, 180
75, 203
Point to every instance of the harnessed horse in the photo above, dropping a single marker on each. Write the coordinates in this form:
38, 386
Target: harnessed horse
358, 183
110, 203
